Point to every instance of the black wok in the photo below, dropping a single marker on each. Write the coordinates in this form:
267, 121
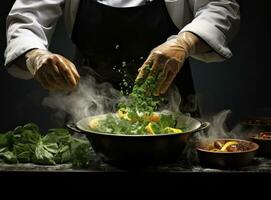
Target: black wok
138, 150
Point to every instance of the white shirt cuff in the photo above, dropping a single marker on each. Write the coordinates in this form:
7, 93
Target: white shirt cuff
213, 37
15, 49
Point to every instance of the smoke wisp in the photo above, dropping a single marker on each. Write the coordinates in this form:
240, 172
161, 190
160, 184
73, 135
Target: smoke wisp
90, 98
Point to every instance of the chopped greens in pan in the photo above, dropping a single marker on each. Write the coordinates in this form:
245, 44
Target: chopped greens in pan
121, 124
137, 115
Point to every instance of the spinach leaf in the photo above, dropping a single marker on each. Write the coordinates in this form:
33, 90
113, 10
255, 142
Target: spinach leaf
63, 154
60, 136
24, 152
28, 133
8, 156
80, 149
43, 155
6, 139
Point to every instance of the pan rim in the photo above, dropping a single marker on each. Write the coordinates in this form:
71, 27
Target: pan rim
127, 135
89, 131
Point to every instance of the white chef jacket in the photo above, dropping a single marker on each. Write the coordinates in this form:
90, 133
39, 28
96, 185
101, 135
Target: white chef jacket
31, 24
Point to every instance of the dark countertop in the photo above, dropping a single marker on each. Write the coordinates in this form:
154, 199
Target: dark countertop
101, 176
258, 165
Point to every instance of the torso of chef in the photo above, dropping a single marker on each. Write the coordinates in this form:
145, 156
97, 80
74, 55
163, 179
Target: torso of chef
215, 21
198, 28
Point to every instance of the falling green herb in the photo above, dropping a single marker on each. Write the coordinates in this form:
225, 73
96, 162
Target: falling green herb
142, 99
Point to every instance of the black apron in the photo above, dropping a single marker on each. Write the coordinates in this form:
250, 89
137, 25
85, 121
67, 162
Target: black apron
115, 42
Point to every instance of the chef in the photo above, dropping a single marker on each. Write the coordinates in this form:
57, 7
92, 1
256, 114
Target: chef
118, 39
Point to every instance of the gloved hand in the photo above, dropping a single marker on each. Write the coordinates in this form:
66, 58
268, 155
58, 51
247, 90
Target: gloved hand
167, 59
53, 71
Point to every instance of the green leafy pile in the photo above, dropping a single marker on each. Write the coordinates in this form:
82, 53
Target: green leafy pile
114, 124
26, 144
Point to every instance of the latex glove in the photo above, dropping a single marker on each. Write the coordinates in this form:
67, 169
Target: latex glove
53, 71
167, 59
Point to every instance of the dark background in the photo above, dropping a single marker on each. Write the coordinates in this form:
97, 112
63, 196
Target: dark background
239, 84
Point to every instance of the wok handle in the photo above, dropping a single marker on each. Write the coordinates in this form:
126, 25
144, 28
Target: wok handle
72, 126
204, 126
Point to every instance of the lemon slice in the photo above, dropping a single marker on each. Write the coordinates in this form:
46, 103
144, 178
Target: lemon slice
123, 114
224, 148
149, 129
172, 130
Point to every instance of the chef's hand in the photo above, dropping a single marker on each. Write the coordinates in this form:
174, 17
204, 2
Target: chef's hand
167, 59
53, 71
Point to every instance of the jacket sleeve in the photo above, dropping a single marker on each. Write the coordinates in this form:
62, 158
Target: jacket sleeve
216, 22
30, 24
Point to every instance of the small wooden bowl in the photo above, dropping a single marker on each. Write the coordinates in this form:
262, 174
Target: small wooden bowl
263, 142
224, 160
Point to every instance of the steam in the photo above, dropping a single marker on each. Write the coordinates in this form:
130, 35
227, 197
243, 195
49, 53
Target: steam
218, 129
173, 100
218, 125
93, 98
90, 98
